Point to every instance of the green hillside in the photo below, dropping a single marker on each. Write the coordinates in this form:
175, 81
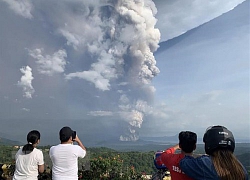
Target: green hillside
4, 141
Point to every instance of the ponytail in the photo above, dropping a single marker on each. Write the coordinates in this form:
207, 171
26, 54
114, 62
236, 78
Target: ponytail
32, 138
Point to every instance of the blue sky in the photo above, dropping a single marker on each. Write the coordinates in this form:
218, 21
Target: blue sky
206, 79
90, 65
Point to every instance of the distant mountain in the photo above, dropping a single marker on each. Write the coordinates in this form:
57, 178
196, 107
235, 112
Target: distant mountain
174, 139
163, 139
4, 141
229, 20
195, 61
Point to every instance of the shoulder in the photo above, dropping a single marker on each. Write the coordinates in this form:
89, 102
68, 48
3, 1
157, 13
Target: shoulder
35, 149
20, 151
38, 151
198, 168
170, 150
169, 156
80, 152
78, 148
53, 147
204, 159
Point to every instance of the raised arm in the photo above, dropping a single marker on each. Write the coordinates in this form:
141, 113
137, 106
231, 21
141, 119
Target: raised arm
78, 141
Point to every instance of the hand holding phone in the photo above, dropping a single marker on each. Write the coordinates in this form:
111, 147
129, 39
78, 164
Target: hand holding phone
74, 135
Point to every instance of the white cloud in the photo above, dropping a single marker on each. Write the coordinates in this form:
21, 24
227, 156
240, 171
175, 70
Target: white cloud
47, 64
26, 82
72, 39
25, 109
92, 76
21, 7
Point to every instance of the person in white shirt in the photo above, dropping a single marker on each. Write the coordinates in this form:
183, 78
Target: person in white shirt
29, 159
64, 156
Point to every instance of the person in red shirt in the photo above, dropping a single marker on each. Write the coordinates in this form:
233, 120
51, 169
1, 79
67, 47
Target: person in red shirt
187, 144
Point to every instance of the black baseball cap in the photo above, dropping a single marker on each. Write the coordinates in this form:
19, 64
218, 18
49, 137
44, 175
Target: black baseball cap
218, 137
65, 133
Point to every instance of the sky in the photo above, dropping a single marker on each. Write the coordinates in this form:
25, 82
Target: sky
208, 76
94, 66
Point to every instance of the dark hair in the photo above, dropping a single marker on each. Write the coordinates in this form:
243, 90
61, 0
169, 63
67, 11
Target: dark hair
66, 133
187, 141
32, 138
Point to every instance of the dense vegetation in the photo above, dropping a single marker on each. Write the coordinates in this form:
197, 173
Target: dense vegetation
99, 162
110, 164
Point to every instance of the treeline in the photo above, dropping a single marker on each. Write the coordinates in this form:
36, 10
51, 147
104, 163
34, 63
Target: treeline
143, 161
140, 161
7, 154
108, 162
100, 163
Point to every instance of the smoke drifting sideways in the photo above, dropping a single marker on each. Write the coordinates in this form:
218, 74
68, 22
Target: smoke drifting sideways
117, 39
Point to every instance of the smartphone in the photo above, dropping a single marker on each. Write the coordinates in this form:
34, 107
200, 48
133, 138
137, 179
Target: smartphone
74, 135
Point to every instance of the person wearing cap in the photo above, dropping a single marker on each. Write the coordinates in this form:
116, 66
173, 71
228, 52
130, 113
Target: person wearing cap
29, 159
65, 156
219, 163
187, 144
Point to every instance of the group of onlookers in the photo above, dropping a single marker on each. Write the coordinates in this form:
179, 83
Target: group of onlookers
64, 157
219, 162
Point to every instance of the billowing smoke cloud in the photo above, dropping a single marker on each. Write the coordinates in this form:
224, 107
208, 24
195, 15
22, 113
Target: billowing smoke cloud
49, 65
21, 7
109, 45
124, 50
92, 63
26, 82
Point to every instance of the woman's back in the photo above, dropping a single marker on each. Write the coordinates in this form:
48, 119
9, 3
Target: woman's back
221, 162
27, 164
29, 160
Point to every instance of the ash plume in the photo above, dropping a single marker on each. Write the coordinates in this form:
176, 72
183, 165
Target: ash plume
131, 43
120, 37
108, 47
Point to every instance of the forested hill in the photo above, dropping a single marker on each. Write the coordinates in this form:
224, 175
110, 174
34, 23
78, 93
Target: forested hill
4, 141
